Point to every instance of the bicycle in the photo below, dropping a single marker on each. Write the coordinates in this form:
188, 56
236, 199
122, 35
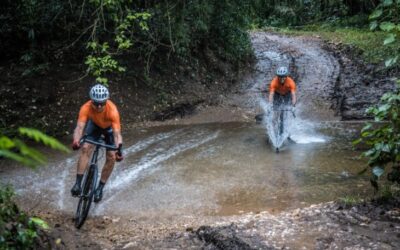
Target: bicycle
89, 182
278, 125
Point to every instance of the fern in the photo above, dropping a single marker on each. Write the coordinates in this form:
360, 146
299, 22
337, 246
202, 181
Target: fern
18, 158
45, 139
16, 150
30, 153
6, 143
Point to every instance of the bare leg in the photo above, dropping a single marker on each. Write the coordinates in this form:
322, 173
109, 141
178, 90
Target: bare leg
84, 158
108, 166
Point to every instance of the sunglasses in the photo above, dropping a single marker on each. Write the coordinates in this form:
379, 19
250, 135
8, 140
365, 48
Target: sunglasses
98, 103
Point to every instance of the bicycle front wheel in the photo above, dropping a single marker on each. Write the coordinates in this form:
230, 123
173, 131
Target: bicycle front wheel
86, 198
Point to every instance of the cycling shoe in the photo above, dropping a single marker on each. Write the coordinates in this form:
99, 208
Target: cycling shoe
76, 190
98, 194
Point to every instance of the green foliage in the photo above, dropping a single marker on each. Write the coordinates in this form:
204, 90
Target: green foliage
38, 136
102, 59
384, 140
386, 18
115, 34
299, 13
369, 42
17, 150
17, 230
119, 36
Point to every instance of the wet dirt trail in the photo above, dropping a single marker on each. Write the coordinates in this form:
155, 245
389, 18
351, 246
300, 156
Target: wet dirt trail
217, 168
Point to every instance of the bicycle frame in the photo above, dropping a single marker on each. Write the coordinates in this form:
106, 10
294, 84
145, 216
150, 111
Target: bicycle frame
277, 126
90, 182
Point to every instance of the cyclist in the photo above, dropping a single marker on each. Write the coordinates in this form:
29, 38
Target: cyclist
280, 87
98, 116
282, 92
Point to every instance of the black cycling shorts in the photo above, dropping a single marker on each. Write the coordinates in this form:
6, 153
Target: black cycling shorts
282, 100
94, 132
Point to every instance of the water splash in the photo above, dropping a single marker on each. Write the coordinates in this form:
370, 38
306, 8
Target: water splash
66, 165
300, 131
151, 140
154, 159
277, 132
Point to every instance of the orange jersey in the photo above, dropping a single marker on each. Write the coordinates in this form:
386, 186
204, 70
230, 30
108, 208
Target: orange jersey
109, 117
282, 89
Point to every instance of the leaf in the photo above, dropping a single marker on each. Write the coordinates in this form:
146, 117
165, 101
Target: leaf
391, 61
373, 25
389, 39
369, 152
366, 127
384, 108
30, 153
39, 222
355, 142
377, 13
386, 148
378, 171
366, 134
45, 139
6, 143
19, 158
387, 26
387, 3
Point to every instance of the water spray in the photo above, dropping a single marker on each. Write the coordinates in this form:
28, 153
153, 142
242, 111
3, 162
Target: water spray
277, 123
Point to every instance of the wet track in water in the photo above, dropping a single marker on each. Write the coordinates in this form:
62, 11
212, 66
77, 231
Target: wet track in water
225, 168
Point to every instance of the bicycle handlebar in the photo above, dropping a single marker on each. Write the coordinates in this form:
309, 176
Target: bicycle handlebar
288, 110
283, 110
85, 139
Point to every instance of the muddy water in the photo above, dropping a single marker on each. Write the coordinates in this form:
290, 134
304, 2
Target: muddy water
213, 169
225, 168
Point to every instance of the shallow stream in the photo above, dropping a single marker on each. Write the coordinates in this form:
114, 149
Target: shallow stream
225, 168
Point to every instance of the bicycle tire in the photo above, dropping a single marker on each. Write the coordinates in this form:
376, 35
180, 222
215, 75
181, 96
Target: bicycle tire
281, 124
86, 198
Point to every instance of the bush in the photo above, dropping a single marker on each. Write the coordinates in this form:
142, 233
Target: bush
384, 140
17, 230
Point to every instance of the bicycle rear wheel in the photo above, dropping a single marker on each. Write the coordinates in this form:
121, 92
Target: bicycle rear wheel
86, 198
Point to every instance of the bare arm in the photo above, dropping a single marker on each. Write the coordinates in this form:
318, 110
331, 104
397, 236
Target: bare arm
117, 137
271, 97
294, 100
79, 131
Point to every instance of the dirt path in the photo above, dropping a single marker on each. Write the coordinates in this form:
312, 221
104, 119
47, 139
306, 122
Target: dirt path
317, 72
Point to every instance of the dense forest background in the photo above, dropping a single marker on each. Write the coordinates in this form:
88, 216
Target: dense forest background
55, 49
36, 33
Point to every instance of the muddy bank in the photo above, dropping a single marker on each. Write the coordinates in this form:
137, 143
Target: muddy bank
326, 226
331, 73
369, 225
359, 85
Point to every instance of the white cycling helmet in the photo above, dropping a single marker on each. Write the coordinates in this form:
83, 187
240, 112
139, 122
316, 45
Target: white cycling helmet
99, 93
282, 71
